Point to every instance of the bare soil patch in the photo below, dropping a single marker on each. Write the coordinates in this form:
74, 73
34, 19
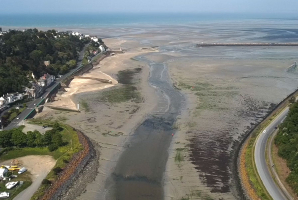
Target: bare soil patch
36, 165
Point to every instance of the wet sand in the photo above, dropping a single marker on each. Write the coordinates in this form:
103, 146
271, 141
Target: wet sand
139, 171
227, 90
110, 125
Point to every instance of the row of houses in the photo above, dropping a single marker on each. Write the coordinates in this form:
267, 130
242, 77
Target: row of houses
35, 91
8, 99
2, 32
38, 88
81, 36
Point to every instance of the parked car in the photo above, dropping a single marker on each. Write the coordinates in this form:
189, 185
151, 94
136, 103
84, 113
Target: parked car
4, 195
22, 170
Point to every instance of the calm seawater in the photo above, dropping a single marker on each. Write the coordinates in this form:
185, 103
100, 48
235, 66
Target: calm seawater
110, 19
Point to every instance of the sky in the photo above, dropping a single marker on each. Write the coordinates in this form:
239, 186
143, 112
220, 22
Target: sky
164, 6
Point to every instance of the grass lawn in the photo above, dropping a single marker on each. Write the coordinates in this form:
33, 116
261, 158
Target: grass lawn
125, 92
121, 94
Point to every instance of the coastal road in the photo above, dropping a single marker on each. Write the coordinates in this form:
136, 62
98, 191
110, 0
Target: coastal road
32, 104
259, 156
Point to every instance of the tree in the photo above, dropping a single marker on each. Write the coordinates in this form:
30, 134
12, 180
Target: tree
39, 141
19, 138
47, 137
52, 147
64, 69
5, 139
22, 53
57, 139
72, 63
31, 138
36, 55
287, 143
57, 127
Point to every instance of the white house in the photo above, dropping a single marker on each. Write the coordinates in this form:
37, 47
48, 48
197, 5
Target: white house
95, 39
75, 33
102, 48
2, 101
3, 171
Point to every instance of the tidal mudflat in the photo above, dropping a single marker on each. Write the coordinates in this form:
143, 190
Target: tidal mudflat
217, 93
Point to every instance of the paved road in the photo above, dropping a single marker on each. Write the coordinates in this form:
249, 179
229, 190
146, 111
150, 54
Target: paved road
260, 161
28, 193
32, 104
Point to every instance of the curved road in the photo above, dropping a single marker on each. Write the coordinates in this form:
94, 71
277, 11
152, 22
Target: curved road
259, 155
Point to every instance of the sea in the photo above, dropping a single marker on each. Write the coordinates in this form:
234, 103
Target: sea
91, 20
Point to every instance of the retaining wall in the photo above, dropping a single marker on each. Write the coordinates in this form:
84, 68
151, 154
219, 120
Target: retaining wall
72, 170
246, 44
42, 102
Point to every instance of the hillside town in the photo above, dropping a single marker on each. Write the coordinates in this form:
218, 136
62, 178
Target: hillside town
41, 78
37, 84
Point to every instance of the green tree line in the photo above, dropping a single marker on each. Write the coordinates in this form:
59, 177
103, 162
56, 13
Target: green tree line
24, 52
287, 143
16, 138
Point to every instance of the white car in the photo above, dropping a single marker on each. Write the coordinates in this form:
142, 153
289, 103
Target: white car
18, 118
10, 185
22, 170
4, 195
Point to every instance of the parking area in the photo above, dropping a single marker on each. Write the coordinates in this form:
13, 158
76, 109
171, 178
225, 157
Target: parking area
33, 127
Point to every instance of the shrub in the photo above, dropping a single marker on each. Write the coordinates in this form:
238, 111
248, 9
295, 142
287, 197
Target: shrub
52, 147
57, 170
19, 138
46, 182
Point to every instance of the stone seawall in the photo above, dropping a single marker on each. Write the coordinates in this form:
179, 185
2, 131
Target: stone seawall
60, 187
246, 44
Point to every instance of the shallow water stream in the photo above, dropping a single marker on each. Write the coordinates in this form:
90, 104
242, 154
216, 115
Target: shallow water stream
139, 171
